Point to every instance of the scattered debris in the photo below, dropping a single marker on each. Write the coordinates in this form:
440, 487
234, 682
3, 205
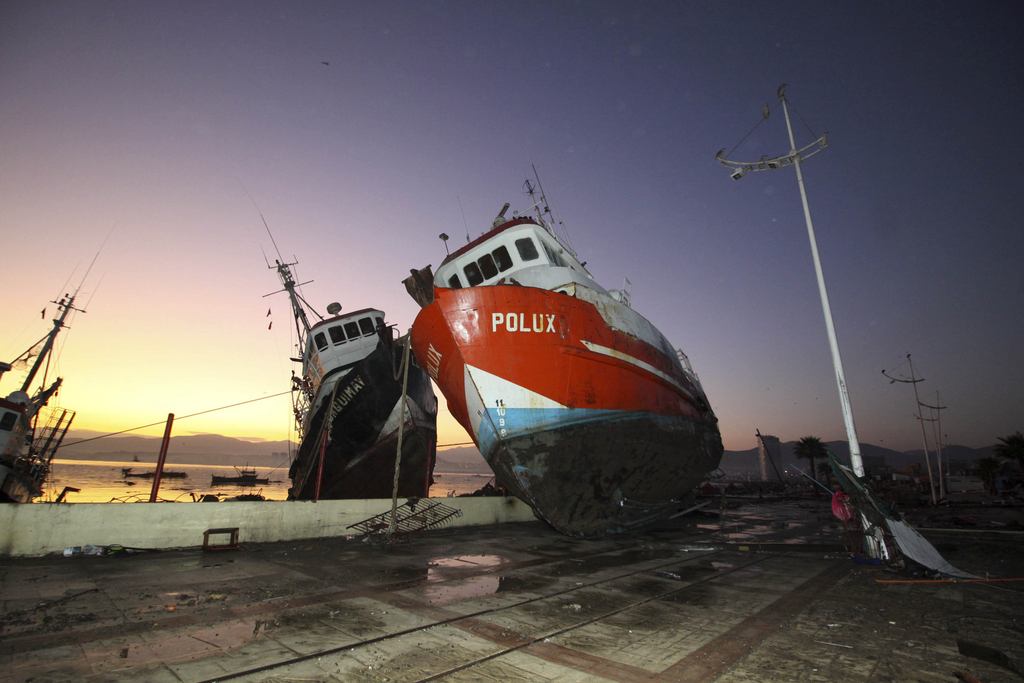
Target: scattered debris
883, 535
430, 515
834, 644
988, 654
967, 678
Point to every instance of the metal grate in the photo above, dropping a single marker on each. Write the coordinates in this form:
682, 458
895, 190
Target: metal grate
413, 515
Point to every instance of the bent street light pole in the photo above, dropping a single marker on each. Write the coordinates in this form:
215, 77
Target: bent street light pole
837, 361
794, 157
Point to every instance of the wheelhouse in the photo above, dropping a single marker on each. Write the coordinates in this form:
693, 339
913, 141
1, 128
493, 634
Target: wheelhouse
334, 345
518, 249
13, 423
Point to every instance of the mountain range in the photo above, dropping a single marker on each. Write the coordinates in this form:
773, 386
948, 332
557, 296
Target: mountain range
215, 449
226, 450
746, 462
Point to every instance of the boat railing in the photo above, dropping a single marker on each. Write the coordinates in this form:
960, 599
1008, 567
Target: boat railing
57, 423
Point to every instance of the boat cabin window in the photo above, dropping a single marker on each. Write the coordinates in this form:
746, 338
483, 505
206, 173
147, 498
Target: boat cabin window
553, 256
487, 266
473, 274
352, 330
366, 326
337, 335
527, 249
502, 259
8, 421
321, 341
379, 321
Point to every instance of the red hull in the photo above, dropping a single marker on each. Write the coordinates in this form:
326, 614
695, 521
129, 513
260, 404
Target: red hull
531, 374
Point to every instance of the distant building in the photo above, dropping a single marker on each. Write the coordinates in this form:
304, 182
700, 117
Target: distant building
775, 445
875, 463
964, 483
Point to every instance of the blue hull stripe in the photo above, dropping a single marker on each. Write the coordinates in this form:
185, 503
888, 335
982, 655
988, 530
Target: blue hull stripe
518, 422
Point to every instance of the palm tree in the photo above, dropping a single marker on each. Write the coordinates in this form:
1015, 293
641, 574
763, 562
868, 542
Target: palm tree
987, 469
1011, 447
809, 448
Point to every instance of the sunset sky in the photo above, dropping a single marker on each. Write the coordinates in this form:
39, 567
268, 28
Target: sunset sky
150, 122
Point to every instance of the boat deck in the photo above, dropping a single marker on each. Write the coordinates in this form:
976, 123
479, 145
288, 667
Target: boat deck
764, 595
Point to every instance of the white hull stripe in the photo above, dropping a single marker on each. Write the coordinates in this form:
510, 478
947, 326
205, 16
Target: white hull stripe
626, 358
493, 388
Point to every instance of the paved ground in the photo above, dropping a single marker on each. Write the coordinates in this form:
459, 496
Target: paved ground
770, 599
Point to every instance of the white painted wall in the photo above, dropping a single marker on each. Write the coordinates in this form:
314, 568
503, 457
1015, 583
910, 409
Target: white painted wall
34, 529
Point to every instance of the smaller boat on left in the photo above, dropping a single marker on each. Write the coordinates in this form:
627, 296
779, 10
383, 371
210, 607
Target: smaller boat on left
30, 431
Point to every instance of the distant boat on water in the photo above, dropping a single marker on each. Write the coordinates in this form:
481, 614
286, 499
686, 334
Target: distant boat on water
246, 477
127, 472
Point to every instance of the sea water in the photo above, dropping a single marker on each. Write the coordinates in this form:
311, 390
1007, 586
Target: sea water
102, 481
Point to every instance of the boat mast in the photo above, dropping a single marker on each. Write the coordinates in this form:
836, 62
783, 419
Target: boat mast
299, 304
65, 305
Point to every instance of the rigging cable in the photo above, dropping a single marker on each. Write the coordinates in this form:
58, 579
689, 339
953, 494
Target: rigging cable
763, 119
793, 109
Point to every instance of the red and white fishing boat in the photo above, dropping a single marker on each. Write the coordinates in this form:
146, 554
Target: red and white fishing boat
582, 408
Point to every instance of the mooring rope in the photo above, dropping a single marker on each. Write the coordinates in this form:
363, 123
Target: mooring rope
401, 430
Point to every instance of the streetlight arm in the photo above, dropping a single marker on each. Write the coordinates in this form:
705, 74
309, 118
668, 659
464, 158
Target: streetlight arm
765, 164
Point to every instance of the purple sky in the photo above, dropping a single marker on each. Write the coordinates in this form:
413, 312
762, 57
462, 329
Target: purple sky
146, 119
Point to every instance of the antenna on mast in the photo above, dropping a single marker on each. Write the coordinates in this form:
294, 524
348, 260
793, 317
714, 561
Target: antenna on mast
463, 221
65, 305
550, 213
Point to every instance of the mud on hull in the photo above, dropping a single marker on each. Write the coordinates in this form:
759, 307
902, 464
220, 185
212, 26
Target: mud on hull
608, 475
359, 458
15, 487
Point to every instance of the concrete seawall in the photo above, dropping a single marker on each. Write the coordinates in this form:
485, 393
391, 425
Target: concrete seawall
30, 530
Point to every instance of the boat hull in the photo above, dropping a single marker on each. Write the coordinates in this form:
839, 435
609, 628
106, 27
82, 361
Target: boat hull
364, 414
573, 401
239, 481
17, 487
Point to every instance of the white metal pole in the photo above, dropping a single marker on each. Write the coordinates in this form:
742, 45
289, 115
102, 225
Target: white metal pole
924, 438
837, 361
938, 446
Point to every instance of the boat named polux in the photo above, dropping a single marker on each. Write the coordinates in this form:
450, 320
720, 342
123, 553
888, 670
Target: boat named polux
581, 407
349, 408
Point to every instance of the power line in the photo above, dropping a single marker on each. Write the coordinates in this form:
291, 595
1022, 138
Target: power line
154, 424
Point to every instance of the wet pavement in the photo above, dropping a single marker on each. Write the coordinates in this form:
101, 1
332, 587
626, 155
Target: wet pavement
762, 593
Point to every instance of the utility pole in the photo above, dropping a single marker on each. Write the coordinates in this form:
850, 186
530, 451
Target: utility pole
924, 439
794, 158
936, 433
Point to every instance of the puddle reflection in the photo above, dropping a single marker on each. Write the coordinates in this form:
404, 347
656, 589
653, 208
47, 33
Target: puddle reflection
456, 591
451, 591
